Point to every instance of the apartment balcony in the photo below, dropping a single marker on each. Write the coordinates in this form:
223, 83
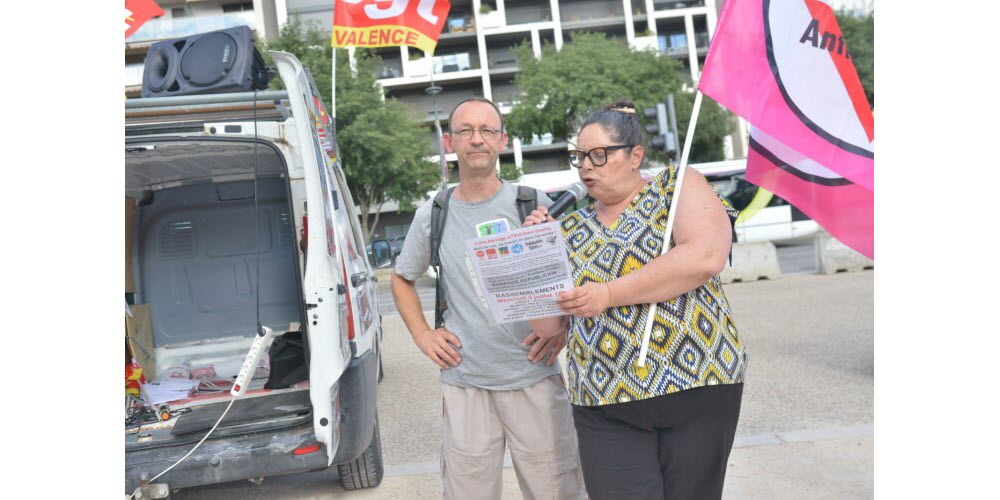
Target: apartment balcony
163, 29
527, 11
502, 60
390, 68
676, 44
590, 13
458, 24
661, 5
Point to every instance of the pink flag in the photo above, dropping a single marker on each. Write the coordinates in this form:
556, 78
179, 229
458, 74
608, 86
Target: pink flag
843, 208
784, 67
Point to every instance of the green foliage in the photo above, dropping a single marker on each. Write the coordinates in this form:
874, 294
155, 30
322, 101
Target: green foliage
311, 47
511, 172
714, 123
383, 145
592, 71
859, 36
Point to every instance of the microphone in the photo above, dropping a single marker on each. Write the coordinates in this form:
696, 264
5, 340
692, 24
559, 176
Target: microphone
575, 193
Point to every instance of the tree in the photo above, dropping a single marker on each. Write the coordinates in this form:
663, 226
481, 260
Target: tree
511, 172
383, 143
561, 87
859, 36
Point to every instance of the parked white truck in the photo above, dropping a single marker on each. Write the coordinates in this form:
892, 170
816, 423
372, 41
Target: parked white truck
237, 193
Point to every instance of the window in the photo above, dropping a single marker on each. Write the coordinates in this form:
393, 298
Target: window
673, 42
736, 190
180, 12
451, 62
238, 7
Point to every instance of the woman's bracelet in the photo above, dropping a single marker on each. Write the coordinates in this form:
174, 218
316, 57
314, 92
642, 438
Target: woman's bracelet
611, 298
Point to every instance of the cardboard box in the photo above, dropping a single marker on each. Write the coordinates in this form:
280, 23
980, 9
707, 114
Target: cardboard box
129, 247
139, 336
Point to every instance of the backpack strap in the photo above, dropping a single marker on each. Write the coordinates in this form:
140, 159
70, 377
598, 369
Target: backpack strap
439, 215
527, 201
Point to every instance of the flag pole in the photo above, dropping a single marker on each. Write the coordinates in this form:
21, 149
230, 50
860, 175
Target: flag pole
333, 84
674, 205
333, 72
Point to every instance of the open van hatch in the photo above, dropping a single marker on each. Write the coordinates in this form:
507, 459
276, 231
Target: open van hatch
210, 212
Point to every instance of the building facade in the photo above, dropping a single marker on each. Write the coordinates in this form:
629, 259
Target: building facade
474, 56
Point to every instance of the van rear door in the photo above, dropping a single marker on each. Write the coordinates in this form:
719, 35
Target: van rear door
363, 322
323, 282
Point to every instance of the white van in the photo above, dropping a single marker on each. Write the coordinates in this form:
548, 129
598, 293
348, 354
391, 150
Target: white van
236, 193
778, 222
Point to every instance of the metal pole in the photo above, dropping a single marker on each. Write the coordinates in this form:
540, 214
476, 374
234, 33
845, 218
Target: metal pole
673, 120
202, 99
434, 90
333, 83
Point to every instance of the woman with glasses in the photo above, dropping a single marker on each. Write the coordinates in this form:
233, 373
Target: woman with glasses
663, 429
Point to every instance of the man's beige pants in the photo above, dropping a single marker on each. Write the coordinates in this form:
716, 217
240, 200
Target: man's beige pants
536, 423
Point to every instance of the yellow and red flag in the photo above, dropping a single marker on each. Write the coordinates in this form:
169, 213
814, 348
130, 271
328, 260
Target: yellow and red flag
137, 12
389, 23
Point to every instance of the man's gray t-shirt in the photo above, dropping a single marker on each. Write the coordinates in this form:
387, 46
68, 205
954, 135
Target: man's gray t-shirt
492, 355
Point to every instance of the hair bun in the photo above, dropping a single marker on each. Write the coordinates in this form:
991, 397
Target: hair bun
622, 106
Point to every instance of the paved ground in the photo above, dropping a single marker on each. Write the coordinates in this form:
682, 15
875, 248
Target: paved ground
806, 428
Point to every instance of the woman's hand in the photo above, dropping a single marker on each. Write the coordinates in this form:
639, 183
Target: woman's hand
537, 216
587, 300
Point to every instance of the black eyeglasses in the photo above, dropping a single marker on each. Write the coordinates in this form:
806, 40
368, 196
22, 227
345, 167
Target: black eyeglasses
598, 156
488, 133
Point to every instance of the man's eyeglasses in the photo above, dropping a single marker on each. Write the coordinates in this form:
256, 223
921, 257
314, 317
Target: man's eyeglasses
598, 156
487, 133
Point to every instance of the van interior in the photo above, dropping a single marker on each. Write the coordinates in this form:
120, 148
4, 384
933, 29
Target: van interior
204, 239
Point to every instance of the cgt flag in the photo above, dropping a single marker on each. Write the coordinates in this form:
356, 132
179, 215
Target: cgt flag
389, 23
784, 67
137, 12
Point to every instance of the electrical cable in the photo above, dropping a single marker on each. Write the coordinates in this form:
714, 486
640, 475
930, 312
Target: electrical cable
230, 405
256, 211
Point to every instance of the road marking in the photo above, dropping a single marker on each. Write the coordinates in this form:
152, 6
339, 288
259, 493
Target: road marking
828, 434
764, 439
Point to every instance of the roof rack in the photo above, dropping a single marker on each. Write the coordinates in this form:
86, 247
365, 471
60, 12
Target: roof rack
195, 109
197, 100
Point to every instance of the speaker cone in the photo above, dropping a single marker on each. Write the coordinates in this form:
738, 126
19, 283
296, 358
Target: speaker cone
161, 68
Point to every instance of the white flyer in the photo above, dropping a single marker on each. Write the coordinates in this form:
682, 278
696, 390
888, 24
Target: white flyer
521, 271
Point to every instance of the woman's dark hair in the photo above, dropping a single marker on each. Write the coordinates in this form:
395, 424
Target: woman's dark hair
620, 121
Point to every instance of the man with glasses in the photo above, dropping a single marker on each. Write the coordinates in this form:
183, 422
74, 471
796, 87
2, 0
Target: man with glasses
495, 389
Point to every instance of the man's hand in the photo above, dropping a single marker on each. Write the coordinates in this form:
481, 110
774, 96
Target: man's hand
588, 300
439, 345
537, 216
545, 348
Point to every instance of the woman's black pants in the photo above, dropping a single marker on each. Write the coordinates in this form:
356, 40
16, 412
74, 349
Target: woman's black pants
667, 447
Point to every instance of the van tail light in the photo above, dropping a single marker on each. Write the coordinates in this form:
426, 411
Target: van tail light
350, 307
307, 449
303, 233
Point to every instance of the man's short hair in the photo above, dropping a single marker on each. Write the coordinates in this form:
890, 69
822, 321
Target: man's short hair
476, 99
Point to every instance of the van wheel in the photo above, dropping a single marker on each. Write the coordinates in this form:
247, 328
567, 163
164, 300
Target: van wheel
366, 470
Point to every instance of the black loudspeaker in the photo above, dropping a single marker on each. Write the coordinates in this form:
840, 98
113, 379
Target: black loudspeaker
208, 63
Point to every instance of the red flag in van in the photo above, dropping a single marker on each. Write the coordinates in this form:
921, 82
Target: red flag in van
371, 23
137, 12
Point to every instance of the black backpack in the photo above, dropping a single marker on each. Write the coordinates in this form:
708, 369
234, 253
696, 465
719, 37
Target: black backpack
526, 202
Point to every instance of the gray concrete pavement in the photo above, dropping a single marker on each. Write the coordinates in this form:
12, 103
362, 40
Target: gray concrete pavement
805, 429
